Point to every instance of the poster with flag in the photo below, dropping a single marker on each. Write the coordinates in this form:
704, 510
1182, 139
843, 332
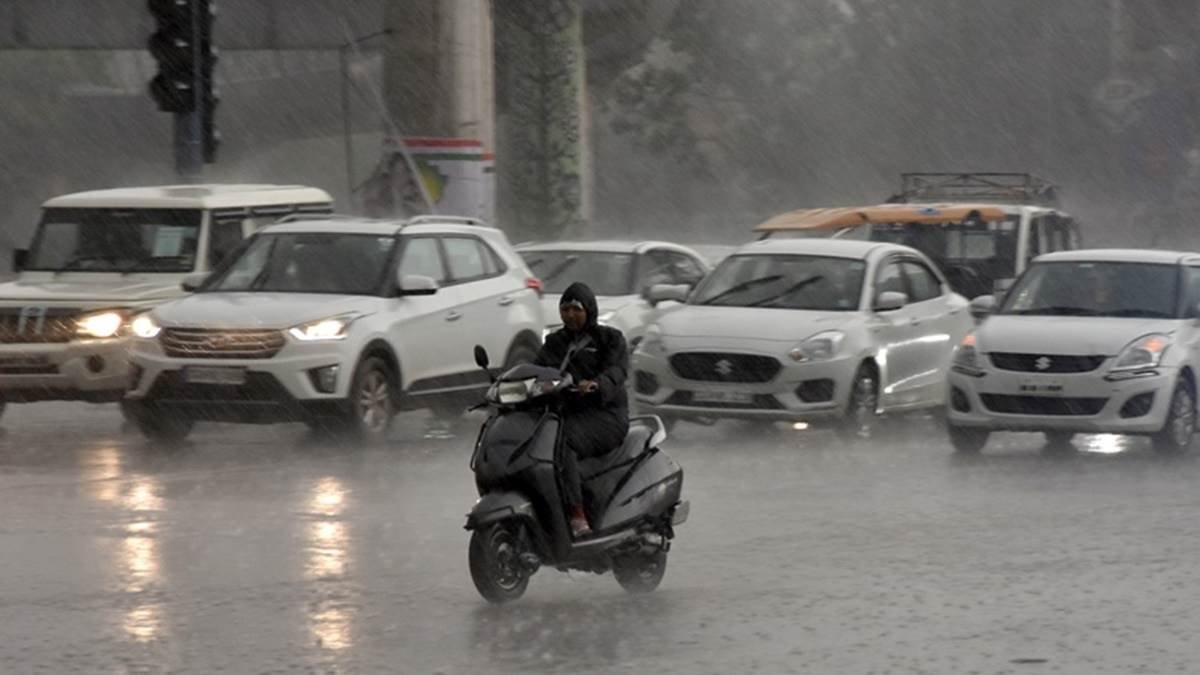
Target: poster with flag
455, 177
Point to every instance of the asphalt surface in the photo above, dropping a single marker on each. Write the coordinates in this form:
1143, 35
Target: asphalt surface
264, 550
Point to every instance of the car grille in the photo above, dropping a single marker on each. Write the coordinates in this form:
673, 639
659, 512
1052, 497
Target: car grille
759, 402
24, 325
721, 367
1042, 405
1045, 363
203, 343
259, 388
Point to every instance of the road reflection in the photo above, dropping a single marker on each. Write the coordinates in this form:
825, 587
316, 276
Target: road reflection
327, 566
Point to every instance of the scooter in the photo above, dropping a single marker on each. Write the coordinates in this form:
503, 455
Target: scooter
520, 522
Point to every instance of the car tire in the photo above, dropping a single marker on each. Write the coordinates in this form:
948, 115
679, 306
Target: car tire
966, 440
372, 403
1180, 426
150, 421
861, 417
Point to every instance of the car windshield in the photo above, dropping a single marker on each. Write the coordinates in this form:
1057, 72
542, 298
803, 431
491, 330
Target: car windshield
1112, 289
784, 282
351, 264
116, 240
606, 273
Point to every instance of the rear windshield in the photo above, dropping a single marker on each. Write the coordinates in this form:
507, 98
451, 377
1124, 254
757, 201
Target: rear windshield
606, 273
116, 240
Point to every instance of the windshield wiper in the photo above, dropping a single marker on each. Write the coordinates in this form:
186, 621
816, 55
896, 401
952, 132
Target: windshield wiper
744, 286
1058, 310
788, 291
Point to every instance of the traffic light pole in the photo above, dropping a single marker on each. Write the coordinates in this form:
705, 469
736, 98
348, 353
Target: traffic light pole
189, 127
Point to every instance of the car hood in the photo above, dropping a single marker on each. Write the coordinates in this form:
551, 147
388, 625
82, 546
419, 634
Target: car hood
1065, 335
258, 310
751, 323
607, 303
109, 289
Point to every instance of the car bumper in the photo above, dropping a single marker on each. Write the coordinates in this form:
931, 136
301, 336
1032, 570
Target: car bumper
82, 370
1085, 402
276, 389
809, 392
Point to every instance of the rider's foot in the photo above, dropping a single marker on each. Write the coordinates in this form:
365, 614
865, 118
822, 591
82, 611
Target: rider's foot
579, 523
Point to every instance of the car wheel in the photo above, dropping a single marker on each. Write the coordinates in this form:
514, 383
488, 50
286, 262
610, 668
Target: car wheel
1180, 425
967, 441
861, 417
154, 424
372, 400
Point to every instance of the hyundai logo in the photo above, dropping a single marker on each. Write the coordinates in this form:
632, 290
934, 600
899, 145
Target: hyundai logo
1043, 363
723, 367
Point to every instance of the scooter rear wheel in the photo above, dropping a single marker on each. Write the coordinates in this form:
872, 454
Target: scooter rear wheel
640, 572
494, 557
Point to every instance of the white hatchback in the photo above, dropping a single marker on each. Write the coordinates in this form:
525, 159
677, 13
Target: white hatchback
336, 323
1086, 341
804, 330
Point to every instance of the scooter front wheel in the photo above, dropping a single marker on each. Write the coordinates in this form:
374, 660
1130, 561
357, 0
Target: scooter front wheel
640, 572
494, 555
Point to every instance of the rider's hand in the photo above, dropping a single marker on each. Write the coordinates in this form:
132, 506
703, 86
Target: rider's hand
588, 386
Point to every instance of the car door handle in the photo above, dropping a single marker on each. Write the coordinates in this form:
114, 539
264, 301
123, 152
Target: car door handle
506, 301
454, 316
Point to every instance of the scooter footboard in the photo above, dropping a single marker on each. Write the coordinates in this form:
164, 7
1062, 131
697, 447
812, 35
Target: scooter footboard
497, 506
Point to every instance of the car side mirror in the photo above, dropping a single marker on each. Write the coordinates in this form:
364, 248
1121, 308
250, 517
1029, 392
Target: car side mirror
982, 306
415, 284
194, 281
666, 292
890, 301
481, 357
20, 259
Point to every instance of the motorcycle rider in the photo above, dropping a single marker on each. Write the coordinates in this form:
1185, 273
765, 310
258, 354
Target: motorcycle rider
594, 422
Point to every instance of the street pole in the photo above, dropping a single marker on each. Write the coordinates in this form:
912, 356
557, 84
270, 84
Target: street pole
189, 127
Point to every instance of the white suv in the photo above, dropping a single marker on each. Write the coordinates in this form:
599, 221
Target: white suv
1086, 341
98, 258
337, 323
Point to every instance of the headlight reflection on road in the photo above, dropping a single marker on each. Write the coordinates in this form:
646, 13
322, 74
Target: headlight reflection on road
327, 565
141, 558
1106, 444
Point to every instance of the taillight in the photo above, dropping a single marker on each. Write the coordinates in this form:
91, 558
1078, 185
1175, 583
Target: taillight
535, 284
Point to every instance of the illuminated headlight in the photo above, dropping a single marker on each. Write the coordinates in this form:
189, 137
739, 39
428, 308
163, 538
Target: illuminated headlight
144, 326
517, 391
966, 356
100, 325
1143, 353
820, 347
333, 328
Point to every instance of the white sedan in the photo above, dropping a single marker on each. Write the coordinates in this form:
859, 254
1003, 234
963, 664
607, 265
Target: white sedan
805, 330
1086, 341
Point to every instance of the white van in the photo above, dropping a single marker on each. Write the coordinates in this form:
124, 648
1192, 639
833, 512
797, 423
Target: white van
100, 257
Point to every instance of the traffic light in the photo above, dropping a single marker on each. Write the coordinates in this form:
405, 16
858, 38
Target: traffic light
172, 45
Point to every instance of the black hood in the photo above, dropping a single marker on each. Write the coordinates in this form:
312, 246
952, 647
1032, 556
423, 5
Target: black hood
580, 291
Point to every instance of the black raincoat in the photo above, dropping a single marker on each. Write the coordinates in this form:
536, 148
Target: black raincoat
596, 423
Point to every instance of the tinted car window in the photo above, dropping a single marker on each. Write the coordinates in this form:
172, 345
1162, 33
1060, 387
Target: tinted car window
1113, 289
606, 273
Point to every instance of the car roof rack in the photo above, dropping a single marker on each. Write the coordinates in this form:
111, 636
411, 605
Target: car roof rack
1006, 188
433, 218
294, 217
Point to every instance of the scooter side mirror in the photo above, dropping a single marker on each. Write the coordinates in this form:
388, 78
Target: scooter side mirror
481, 357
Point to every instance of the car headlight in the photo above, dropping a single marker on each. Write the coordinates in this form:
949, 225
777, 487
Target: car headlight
820, 347
333, 328
1144, 352
104, 324
144, 326
966, 356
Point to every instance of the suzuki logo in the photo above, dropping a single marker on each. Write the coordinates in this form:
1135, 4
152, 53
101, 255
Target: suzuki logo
1043, 363
31, 315
723, 367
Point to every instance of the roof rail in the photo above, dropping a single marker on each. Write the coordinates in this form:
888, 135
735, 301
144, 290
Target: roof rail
432, 218
1009, 188
294, 217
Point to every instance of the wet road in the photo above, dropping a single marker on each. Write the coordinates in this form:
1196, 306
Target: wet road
261, 550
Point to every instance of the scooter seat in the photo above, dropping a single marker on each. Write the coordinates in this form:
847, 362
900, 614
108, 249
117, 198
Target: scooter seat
635, 444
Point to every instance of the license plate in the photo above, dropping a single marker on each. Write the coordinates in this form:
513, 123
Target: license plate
722, 397
1040, 386
214, 375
